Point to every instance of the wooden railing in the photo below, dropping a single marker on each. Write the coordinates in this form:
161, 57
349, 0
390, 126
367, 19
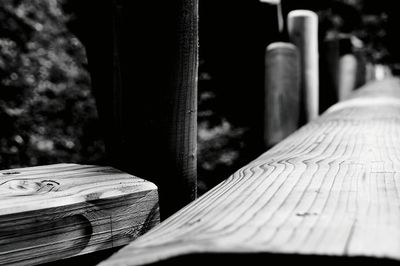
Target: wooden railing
330, 190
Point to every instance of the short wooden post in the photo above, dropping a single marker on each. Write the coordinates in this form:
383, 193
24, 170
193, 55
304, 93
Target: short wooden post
369, 72
347, 76
303, 32
330, 54
382, 72
361, 69
282, 91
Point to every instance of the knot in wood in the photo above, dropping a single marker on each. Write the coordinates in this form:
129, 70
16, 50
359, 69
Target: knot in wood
28, 187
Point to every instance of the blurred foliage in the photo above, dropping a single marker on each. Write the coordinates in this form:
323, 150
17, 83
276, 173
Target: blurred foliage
47, 113
358, 20
219, 142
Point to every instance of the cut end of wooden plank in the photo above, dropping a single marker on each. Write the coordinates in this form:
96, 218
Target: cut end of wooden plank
271, 2
57, 211
303, 13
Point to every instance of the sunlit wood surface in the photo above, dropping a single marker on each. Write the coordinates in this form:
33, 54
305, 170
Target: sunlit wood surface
331, 188
53, 212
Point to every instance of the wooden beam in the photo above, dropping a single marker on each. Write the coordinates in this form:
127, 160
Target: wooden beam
330, 189
53, 212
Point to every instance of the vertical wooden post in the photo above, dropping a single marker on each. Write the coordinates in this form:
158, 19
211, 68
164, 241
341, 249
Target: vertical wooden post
369, 72
361, 69
332, 58
329, 67
182, 102
159, 105
282, 91
382, 72
170, 58
303, 32
347, 76
144, 78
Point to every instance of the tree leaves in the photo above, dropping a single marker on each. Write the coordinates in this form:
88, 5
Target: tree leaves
45, 99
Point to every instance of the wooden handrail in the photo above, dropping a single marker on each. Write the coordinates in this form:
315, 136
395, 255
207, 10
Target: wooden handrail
331, 188
53, 212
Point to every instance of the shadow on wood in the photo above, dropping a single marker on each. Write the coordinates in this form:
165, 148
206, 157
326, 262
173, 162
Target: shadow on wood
272, 259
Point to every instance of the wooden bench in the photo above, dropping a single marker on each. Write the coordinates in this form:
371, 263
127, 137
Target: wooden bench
328, 192
53, 212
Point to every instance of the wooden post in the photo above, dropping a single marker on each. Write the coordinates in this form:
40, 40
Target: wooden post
161, 114
361, 69
347, 76
282, 91
303, 32
181, 106
382, 72
144, 78
329, 67
369, 72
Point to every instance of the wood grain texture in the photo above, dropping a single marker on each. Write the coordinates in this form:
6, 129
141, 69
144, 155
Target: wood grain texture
181, 123
57, 211
331, 188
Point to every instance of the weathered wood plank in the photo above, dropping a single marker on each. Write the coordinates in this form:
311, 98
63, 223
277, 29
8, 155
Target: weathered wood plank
57, 211
331, 188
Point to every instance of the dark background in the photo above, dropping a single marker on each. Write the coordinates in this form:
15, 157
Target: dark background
47, 109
